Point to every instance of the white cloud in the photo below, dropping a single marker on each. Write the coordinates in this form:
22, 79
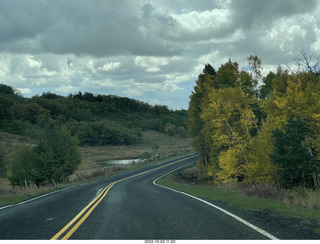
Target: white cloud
150, 61
33, 63
67, 89
24, 91
153, 69
146, 50
195, 21
109, 66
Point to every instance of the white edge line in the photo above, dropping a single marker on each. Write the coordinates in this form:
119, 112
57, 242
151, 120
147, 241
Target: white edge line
47, 194
41, 196
212, 205
32, 199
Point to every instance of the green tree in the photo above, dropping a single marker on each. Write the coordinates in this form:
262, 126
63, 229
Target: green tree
5, 89
195, 122
181, 132
57, 157
3, 170
227, 75
296, 164
21, 166
170, 129
266, 87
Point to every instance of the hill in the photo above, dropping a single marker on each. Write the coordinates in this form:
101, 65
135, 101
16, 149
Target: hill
37, 135
94, 119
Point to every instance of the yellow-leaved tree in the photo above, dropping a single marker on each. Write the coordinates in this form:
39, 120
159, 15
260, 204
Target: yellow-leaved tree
229, 120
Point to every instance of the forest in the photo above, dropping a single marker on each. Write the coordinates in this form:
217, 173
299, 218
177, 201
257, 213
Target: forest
94, 119
59, 124
253, 129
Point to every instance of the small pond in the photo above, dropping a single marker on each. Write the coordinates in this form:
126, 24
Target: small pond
124, 161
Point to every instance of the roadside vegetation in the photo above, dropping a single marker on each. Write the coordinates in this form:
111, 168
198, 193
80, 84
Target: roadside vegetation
153, 147
261, 200
58, 140
251, 134
257, 137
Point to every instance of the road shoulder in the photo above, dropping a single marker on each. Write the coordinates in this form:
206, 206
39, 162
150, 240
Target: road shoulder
279, 224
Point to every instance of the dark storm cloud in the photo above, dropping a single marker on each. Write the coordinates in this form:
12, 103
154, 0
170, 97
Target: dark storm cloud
246, 13
22, 19
98, 28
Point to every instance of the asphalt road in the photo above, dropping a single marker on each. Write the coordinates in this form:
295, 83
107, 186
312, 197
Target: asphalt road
126, 206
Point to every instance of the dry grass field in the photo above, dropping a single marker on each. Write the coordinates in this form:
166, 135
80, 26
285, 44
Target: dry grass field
94, 158
150, 141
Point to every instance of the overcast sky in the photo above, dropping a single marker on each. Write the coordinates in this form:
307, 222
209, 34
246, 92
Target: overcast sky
147, 50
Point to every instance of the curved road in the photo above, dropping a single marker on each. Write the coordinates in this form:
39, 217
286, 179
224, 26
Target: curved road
126, 206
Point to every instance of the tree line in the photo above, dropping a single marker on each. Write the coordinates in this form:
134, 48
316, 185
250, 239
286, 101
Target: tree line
59, 124
94, 119
247, 133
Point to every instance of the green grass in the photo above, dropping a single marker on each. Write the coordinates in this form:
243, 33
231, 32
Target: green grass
239, 200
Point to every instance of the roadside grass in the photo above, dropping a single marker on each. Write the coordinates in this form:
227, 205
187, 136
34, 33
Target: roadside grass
17, 196
9, 195
93, 164
238, 199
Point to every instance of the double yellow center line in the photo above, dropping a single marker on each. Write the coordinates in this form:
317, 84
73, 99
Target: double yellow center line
75, 223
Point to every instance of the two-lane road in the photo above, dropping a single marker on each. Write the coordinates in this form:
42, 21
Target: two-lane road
126, 206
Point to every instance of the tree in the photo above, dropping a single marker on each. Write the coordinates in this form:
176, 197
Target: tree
255, 65
266, 87
181, 132
260, 167
195, 123
3, 170
170, 129
221, 117
56, 157
296, 164
227, 75
5, 89
309, 62
21, 167
228, 122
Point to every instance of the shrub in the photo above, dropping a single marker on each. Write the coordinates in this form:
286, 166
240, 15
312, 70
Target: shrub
21, 167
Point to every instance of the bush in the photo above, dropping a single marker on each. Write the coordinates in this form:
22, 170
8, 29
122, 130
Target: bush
57, 156
22, 167
53, 160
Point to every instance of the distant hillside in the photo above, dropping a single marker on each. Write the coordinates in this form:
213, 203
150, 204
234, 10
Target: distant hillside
94, 119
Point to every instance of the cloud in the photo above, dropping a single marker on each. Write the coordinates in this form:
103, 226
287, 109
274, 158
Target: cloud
247, 13
109, 66
148, 50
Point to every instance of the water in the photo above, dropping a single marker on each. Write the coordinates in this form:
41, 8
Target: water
124, 161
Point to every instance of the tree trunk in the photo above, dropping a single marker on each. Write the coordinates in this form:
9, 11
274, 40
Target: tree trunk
54, 183
25, 183
232, 133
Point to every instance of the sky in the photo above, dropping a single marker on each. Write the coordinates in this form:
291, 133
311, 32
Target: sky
151, 51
